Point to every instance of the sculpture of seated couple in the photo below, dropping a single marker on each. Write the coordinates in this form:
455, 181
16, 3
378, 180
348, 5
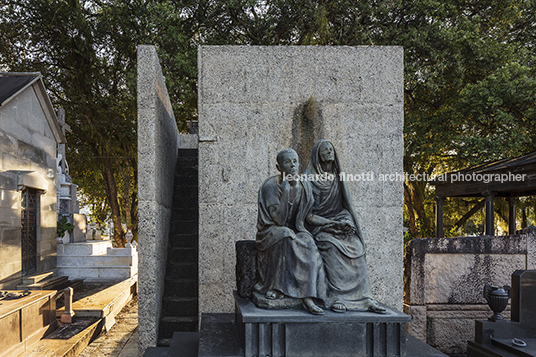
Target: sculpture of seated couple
309, 243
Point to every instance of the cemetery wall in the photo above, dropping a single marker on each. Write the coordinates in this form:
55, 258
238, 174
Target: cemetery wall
158, 142
251, 101
445, 278
27, 159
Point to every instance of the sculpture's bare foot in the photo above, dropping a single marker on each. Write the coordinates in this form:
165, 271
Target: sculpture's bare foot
375, 307
339, 307
273, 294
311, 307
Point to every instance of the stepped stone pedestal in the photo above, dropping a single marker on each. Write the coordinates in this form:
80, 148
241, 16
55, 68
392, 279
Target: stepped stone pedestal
96, 260
219, 337
299, 333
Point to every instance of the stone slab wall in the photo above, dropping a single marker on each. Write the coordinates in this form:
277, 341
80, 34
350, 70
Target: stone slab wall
158, 142
445, 278
27, 158
250, 104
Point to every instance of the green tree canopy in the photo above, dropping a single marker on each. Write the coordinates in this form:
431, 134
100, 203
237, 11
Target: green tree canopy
86, 53
469, 75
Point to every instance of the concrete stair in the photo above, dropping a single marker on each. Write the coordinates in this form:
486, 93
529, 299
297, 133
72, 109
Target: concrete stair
51, 283
34, 279
97, 247
180, 301
48, 281
183, 344
156, 352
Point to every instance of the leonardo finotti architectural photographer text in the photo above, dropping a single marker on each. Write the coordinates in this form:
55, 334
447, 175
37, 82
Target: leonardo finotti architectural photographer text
394, 177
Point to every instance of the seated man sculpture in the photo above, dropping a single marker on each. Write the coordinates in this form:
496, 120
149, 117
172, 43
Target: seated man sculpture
289, 263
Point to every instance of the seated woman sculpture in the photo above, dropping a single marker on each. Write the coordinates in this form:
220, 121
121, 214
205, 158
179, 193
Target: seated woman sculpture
289, 264
338, 237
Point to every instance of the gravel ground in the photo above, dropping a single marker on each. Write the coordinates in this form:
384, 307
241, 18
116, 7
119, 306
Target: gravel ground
122, 339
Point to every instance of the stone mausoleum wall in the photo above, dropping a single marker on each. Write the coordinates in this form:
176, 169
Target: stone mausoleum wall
445, 278
158, 142
250, 104
27, 159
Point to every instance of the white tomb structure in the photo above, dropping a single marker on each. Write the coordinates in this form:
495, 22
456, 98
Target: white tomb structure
78, 257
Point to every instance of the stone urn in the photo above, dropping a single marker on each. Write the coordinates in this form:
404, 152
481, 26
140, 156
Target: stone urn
497, 299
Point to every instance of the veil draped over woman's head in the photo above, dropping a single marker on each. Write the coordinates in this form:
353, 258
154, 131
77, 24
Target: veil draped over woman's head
314, 167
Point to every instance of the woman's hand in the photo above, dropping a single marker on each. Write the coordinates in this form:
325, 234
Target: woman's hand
344, 226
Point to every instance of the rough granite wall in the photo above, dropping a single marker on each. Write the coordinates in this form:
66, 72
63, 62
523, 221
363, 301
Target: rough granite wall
250, 102
158, 141
445, 278
27, 158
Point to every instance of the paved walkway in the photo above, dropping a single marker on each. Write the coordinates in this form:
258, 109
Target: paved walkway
122, 339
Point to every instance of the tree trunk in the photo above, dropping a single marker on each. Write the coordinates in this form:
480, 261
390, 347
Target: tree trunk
112, 194
501, 209
134, 204
126, 196
134, 215
524, 217
411, 212
469, 214
417, 198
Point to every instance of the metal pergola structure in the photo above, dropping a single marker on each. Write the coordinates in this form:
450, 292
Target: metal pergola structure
510, 178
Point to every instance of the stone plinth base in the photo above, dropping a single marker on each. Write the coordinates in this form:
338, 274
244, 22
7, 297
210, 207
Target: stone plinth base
218, 337
299, 333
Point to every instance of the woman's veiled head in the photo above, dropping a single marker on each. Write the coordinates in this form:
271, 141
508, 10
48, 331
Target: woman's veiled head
326, 152
323, 153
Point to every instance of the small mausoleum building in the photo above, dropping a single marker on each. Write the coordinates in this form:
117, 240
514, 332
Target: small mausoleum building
29, 137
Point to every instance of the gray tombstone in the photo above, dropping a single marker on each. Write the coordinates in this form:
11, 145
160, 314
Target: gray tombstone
524, 297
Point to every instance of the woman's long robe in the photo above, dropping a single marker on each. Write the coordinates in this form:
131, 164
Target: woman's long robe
343, 254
